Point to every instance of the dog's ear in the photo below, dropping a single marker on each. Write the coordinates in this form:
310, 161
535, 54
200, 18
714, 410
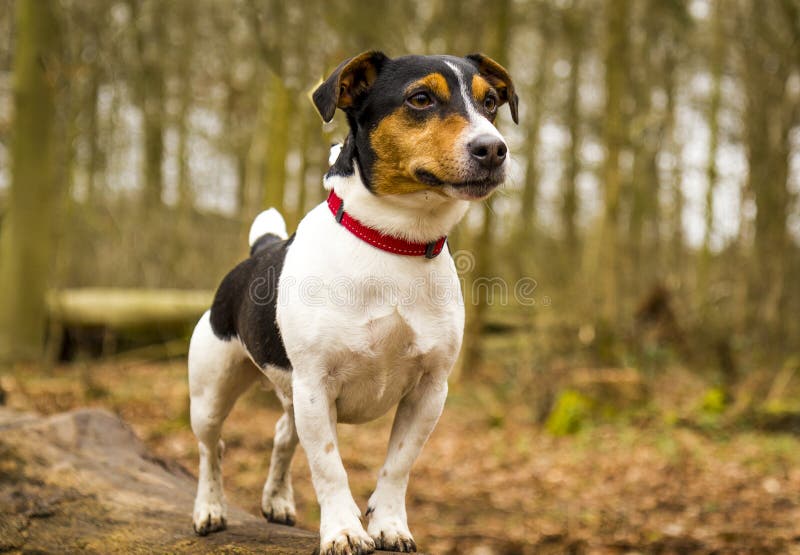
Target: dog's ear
348, 83
498, 78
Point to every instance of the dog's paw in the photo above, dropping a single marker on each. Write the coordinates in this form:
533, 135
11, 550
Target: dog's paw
390, 531
279, 510
392, 536
208, 517
395, 541
352, 541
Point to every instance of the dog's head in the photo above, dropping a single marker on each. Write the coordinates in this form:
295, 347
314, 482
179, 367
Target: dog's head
421, 122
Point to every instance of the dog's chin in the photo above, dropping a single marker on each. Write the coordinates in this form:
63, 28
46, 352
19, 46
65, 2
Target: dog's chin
475, 189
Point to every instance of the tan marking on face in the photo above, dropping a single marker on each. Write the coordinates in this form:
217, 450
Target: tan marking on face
329, 448
403, 145
480, 88
434, 82
498, 77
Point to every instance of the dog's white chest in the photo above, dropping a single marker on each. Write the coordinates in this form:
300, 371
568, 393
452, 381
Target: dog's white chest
380, 361
366, 323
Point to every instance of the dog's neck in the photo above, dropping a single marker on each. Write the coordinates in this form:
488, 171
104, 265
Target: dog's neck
421, 217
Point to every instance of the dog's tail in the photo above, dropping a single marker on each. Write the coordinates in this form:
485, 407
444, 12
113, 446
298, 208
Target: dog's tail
267, 228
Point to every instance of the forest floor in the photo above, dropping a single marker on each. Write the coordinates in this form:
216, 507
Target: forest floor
487, 485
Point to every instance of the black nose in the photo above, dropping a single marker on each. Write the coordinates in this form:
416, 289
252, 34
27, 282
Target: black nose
488, 150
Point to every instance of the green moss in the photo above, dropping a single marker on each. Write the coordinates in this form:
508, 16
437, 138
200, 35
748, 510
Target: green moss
495, 420
571, 412
714, 401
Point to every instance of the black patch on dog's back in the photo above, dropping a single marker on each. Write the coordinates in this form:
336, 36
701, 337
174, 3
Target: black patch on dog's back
246, 301
263, 242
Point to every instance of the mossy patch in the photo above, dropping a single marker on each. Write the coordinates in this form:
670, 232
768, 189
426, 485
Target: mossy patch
572, 410
715, 401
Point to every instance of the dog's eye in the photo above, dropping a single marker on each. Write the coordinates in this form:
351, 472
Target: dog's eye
419, 100
490, 104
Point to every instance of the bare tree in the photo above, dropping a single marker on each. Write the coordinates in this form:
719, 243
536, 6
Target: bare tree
27, 239
614, 137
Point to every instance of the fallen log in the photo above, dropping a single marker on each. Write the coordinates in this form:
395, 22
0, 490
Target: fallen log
101, 321
126, 308
107, 321
81, 482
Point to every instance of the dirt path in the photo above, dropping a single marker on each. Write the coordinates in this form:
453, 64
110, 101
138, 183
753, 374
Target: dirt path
484, 486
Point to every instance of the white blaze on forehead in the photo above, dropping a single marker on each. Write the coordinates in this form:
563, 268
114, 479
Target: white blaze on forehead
478, 124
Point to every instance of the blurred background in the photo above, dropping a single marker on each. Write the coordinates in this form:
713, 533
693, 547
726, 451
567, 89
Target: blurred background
629, 375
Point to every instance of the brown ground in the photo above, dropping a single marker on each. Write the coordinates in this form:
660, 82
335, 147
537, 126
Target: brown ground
488, 485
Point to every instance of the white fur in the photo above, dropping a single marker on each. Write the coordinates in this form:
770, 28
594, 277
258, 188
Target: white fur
269, 221
334, 153
366, 330
277, 498
218, 373
478, 124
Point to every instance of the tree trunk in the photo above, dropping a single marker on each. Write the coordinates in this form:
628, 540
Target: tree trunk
150, 96
242, 197
569, 206
26, 241
184, 186
277, 145
767, 136
530, 190
93, 132
676, 247
483, 247
638, 271
307, 120
614, 139
717, 61
186, 14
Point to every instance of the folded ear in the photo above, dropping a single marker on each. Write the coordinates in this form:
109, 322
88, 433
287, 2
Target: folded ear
498, 78
348, 83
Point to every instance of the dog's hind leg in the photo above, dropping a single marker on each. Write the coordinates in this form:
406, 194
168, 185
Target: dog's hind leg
277, 499
219, 372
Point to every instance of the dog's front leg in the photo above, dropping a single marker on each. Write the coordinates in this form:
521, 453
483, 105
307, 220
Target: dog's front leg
414, 421
341, 532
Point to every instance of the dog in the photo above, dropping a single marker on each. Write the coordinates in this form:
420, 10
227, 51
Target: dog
360, 310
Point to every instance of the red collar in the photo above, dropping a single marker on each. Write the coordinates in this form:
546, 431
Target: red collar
377, 239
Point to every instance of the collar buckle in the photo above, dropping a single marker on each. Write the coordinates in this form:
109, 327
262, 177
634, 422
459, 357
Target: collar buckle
430, 249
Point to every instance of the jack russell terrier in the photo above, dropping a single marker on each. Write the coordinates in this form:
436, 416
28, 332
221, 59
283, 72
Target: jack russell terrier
360, 310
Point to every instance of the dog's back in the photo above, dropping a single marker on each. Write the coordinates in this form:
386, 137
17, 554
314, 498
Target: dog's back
267, 229
245, 302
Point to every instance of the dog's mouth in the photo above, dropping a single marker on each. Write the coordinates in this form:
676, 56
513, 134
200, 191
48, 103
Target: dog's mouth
474, 189
426, 177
